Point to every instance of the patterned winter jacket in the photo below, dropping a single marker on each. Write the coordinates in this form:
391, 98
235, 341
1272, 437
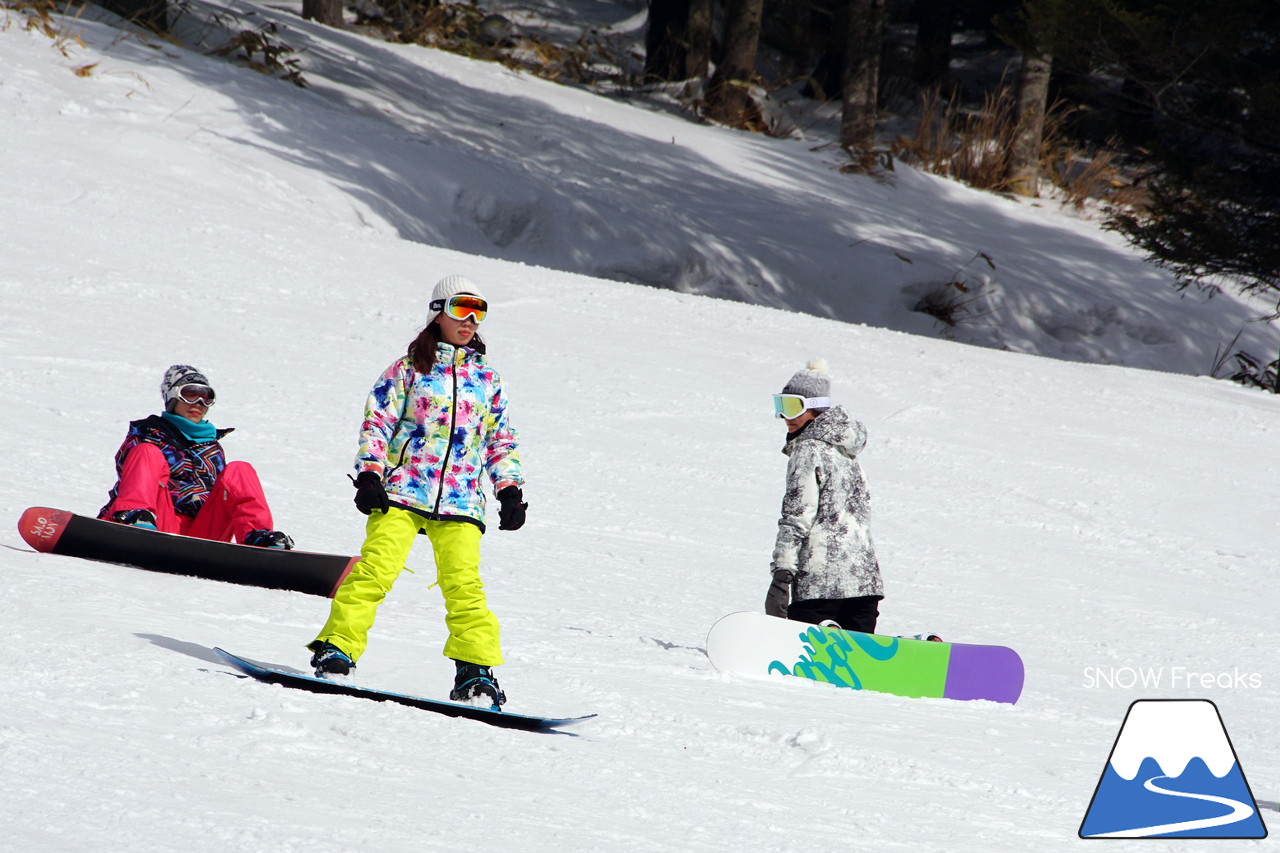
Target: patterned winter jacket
823, 534
194, 466
431, 436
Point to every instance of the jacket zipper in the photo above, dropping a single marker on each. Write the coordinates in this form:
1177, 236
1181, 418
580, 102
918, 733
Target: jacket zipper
453, 424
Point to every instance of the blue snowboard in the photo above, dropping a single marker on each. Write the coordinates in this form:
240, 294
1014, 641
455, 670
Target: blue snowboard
450, 709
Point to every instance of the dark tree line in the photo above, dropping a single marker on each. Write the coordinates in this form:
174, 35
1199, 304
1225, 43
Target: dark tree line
843, 35
1189, 90
1198, 87
836, 44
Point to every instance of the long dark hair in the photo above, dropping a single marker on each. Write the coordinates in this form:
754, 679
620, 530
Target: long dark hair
422, 350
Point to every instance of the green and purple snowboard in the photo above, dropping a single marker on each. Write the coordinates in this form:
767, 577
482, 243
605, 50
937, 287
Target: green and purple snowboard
756, 644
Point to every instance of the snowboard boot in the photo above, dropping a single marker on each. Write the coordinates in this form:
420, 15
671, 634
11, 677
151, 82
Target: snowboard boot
268, 539
329, 660
143, 518
474, 684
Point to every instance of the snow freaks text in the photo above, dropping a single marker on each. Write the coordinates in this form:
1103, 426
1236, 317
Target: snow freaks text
1173, 677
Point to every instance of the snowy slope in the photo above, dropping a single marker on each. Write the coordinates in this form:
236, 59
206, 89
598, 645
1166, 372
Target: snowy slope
170, 208
433, 147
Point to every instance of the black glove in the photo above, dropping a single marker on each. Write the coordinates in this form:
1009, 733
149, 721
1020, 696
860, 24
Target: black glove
511, 514
370, 494
779, 594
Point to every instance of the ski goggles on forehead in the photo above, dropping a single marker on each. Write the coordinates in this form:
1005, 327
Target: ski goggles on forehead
793, 405
192, 394
463, 306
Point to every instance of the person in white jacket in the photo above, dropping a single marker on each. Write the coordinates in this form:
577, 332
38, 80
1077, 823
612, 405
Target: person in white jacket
824, 563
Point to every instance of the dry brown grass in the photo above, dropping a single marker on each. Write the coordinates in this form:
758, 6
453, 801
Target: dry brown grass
959, 299
974, 147
40, 16
261, 51
466, 29
968, 146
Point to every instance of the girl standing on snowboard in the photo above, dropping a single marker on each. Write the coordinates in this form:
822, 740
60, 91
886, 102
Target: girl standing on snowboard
435, 422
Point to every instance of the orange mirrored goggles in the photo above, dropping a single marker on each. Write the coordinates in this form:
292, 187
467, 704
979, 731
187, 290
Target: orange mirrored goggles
463, 306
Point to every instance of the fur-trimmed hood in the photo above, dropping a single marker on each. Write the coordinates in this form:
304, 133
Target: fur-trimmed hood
836, 428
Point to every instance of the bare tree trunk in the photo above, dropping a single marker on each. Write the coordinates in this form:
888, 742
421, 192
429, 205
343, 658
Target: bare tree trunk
728, 99
862, 74
665, 42
677, 40
1033, 99
827, 80
698, 58
328, 12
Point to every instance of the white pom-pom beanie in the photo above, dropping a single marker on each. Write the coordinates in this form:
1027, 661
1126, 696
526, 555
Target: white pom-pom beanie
813, 381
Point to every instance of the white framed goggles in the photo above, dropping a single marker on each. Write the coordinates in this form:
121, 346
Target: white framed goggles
462, 306
192, 393
793, 405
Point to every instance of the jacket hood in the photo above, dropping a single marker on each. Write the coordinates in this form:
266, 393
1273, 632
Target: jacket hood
832, 427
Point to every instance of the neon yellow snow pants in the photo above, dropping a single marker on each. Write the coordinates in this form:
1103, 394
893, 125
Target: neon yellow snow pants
473, 629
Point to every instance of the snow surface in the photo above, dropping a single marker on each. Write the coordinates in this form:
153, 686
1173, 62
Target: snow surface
1115, 525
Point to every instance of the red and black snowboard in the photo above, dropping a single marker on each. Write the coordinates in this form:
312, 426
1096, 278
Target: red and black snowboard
56, 531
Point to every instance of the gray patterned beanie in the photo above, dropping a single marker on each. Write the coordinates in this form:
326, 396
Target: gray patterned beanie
813, 381
175, 377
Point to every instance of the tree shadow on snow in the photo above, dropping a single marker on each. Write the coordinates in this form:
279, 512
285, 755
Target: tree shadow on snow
454, 158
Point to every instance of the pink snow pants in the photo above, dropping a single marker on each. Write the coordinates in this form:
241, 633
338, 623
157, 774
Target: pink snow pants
235, 506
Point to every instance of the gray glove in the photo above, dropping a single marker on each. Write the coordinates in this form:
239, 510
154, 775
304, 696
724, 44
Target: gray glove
779, 595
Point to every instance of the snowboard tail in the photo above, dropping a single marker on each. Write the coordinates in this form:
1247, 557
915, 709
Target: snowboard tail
299, 681
756, 644
56, 531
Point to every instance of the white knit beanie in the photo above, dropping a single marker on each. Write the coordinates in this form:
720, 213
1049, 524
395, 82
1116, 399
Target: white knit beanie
450, 286
813, 381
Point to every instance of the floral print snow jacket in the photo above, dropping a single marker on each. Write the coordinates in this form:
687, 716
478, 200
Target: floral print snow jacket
823, 534
431, 436
194, 466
